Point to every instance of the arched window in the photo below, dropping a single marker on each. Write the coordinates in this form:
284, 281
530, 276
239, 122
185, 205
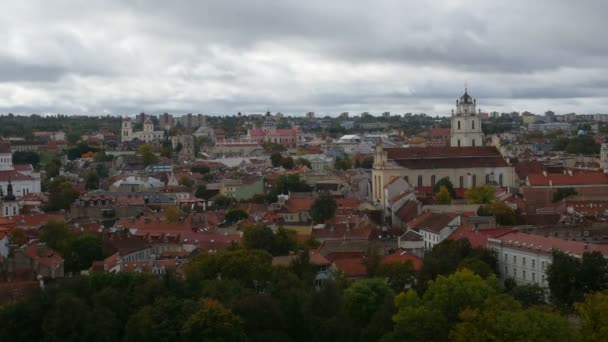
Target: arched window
458, 124
433, 180
458, 142
473, 124
500, 179
420, 180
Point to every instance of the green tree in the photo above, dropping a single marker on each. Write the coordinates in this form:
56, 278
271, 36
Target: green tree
276, 159
344, 163
287, 163
323, 208
305, 162
440, 306
52, 168
20, 158
445, 182
82, 251
503, 319
593, 313
186, 181
147, 155
202, 169
285, 184
258, 237
66, 319
562, 193
102, 170
364, 299
213, 322
234, 215
171, 213
92, 181
570, 278
284, 241
201, 192
56, 235
443, 196
505, 215
18, 237
485, 194
159, 322
529, 294
399, 275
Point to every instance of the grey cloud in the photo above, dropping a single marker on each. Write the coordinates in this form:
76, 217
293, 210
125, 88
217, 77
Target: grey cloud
296, 56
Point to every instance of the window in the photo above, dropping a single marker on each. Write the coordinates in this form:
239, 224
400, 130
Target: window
533, 277
461, 181
523, 262
473, 142
500, 179
487, 179
458, 124
420, 180
458, 142
473, 127
515, 259
514, 272
433, 180
474, 181
523, 274
533, 263
506, 256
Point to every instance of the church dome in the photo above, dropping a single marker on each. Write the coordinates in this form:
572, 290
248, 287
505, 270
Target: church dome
466, 98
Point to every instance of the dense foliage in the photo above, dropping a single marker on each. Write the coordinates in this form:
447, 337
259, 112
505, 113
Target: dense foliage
238, 295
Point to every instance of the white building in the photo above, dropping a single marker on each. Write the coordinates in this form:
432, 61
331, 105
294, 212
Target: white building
525, 257
466, 123
22, 178
434, 227
147, 135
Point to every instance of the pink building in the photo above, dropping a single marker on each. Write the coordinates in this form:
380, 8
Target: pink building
270, 134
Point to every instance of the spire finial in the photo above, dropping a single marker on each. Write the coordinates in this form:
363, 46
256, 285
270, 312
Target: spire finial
465, 87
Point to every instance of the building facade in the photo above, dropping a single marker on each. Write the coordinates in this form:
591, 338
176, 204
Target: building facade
466, 123
147, 135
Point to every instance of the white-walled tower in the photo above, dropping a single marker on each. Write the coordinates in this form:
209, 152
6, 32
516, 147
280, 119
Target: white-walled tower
466, 123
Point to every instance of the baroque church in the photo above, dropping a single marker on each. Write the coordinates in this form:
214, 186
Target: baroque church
466, 163
147, 135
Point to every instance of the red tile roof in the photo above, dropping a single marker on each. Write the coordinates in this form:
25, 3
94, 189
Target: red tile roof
296, 205
563, 179
6, 175
545, 244
525, 168
431, 221
44, 255
351, 263
446, 157
477, 237
401, 256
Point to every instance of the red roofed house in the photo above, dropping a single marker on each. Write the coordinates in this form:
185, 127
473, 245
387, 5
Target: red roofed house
434, 227
540, 187
525, 257
30, 261
270, 134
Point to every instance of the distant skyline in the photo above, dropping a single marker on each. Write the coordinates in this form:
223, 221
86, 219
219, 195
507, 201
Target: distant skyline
222, 57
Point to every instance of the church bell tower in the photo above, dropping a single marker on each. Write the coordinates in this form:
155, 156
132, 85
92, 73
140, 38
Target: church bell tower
466, 123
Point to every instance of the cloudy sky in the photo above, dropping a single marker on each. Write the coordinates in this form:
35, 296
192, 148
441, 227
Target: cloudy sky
225, 56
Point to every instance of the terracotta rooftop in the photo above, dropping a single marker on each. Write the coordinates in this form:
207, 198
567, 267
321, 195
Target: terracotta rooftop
402, 256
431, 221
562, 179
44, 255
545, 244
446, 157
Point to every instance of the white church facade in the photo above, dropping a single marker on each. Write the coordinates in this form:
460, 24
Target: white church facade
22, 178
147, 135
466, 163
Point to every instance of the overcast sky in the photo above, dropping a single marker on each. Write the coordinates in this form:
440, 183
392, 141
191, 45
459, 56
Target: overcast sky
328, 56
